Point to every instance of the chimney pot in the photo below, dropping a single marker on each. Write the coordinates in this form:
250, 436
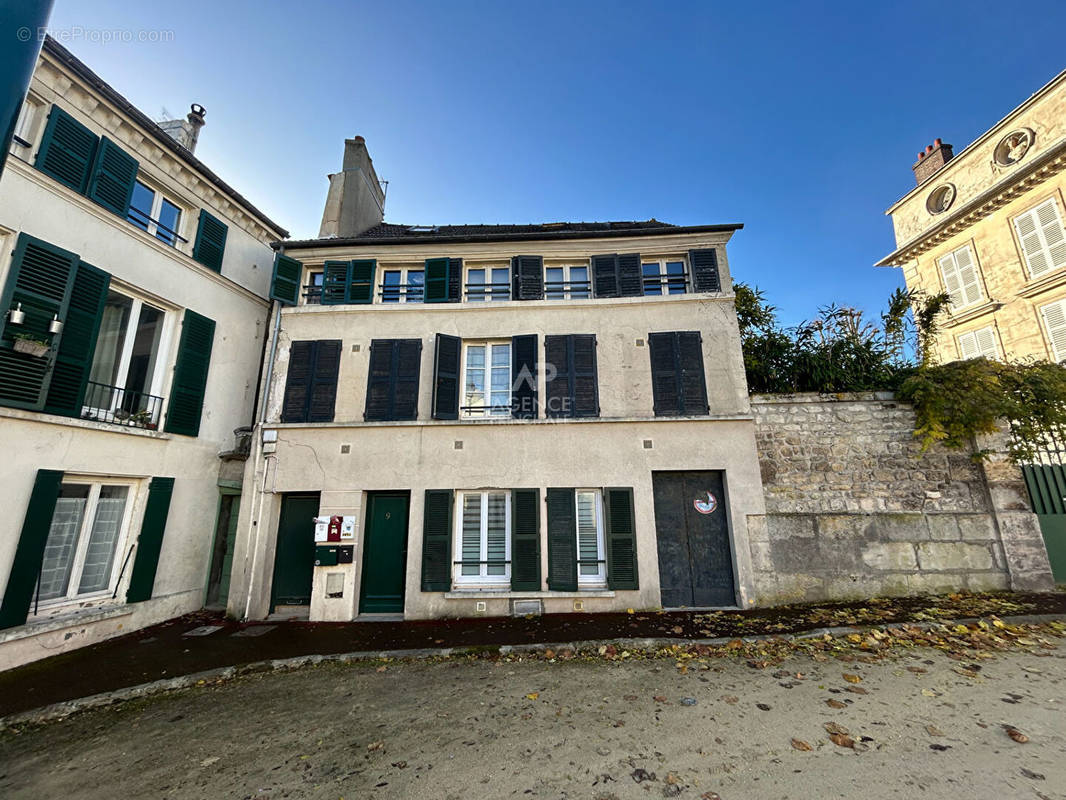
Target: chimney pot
936, 143
928, 149
360, 139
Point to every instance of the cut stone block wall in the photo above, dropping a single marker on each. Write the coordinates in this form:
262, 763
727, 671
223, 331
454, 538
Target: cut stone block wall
855, 509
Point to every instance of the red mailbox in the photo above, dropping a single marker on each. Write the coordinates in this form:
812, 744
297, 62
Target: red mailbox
333, 533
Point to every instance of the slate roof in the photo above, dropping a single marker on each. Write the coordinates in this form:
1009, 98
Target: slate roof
393, 233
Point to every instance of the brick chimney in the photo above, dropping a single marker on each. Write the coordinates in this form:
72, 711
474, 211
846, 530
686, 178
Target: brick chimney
355, 201
186, 131
932, 159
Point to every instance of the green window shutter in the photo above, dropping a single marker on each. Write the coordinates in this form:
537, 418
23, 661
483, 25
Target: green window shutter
605, 276
562, 540
527, 278
392, 382
437, 541
210, 244
150, 541
361, 284
524, 376
525, 540
285, 282
298, 381
703, 264
67, 150
573, 390
693, 382
665, 374
40, 282
446, 377
335, 280
621, 539
190, 374
113, 175
437, 271
455, 280
29, 552
77, 342
630, 279
322, 397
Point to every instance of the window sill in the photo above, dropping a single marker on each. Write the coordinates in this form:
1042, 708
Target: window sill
63, 620
972, 312
1042, 284
77, 422
492, 594
467, 423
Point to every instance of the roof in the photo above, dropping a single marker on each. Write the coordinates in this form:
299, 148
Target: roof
393, 233
79, 68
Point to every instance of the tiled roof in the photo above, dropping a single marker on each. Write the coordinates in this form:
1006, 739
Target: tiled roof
393, 233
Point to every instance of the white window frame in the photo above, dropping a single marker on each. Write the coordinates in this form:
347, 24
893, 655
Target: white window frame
379, 293
488, 269
122, 542
26, 128
1041, 232
965, 293
1054, 317
567, 293
311, 274
157, 385
157, 204
482, 578
664, 278
977, 343
599, 579
485, 413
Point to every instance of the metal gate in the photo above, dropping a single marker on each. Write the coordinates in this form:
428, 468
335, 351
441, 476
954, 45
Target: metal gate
1047, 492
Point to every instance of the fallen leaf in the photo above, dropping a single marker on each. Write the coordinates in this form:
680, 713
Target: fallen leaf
549, 653
833, 727
710, 796
400, 764
1016, 734
933, 730
640, 775
678, 629
856, 690
835, 703
382, 668
917, 670
940, 747
799, 744
851, 678
762, 706
532, 695
841, 740
929, 693
375, 746
1028, 773
659, 698
629, 697
967, 673
672, 779
729, 698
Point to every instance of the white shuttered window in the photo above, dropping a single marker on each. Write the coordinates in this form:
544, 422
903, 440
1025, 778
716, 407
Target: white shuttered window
961, 281
1042, 238
981, 342
1054, 316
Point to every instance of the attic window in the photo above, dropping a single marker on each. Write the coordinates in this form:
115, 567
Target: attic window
423, 229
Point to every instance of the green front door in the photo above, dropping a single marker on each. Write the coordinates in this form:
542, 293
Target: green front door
294, 556
381, 589
1047, 491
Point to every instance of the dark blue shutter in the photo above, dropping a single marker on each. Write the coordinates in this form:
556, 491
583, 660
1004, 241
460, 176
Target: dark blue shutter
630, 280
210, 244
285, 282
335, 280
322, 398
113, 175
437, 272
605, 276
584, 388
525, 540
524, 376
77, 342
562, 540
527, 277
703, 264
693, 382
408, 362
29, 552
298, 381
677, 376
446, 377
558, 397
67, 150
150, 540
190, 374
437, 541
621, 538
392, 383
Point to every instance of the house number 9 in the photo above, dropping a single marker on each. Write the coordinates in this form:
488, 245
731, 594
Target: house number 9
388, 515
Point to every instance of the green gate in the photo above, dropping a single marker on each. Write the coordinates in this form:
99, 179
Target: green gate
1047, 491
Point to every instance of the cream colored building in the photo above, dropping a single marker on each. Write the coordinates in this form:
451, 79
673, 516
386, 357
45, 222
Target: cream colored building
987, 226
501, 419
134, 299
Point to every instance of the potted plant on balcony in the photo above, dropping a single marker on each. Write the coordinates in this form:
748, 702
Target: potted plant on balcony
31, 345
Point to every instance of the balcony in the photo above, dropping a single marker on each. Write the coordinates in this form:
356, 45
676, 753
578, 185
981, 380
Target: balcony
117, 406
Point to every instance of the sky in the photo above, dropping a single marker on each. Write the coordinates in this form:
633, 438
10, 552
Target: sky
799, 120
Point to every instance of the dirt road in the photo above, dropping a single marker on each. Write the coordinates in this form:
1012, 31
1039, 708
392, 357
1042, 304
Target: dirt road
923, 725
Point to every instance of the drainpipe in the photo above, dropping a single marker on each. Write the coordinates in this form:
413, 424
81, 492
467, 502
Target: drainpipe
23, 24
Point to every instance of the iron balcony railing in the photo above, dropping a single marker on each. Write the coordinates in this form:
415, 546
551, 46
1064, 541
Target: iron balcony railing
576, 290
162, 232
674, 283
313, 294
118, 406
488, 291
401, 292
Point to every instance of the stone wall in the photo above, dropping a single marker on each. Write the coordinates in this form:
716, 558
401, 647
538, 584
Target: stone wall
855, 509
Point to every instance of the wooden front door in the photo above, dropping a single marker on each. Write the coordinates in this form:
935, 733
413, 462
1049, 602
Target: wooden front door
294, 556
692, 530
384, 575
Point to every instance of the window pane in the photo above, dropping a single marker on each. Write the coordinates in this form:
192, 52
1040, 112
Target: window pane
496, 534
141, 205
475, 355
390, 293
577, 276
651, 279
143, 360
553, 278
100, 555
475, 285
62, 541
587, 541
471, 544
675, 271
415, 282
110, 340
167, 229
501, 380
474, 380
501, 283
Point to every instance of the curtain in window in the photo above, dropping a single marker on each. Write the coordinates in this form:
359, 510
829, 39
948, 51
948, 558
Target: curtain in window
496, 534
100, 555
110, 340
62, 541
471, 534
587, 544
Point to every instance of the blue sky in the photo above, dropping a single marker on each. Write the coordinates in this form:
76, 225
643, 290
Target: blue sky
800, 120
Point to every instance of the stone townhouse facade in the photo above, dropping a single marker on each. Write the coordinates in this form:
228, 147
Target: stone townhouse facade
501, 418
987, 227
134, 309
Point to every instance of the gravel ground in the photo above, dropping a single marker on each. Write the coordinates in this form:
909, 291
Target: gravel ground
591, 729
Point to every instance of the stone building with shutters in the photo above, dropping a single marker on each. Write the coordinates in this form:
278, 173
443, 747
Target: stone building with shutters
987, 227
134, 308
497, 419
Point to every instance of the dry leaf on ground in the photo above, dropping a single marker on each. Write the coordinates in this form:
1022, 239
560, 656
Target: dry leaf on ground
799, 744
851, 678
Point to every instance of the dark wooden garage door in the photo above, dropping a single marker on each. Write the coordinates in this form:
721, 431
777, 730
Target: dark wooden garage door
691, 526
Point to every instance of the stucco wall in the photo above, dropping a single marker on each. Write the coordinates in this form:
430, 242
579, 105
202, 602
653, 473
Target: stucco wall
855, 509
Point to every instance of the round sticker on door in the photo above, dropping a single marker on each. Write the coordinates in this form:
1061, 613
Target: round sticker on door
706, 505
